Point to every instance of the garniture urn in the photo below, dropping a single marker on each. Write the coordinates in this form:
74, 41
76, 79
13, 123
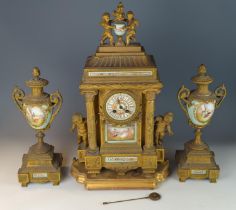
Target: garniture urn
199, 106
39, 108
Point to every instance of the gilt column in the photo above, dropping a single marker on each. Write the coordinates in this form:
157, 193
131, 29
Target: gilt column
91, 120
149, 119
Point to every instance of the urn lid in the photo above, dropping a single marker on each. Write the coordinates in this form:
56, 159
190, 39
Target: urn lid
202, 80
37, 96
202, 77
36, 81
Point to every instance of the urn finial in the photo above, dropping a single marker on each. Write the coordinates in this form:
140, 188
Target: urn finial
202, 69
36, 72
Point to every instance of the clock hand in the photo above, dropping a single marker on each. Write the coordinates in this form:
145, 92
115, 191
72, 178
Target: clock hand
123, 108
119, 103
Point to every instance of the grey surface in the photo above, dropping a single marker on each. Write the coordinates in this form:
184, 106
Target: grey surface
58, 36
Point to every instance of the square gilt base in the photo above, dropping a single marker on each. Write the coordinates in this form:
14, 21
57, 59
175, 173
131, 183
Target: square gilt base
40, 168
108, 179
195, 164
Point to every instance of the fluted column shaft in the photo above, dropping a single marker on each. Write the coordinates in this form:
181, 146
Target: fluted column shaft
149, 119
91, 120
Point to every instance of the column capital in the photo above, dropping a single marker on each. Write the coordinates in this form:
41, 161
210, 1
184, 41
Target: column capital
89, 95
150, 95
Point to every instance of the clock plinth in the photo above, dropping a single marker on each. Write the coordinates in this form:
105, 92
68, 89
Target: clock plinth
117, 146
110, 180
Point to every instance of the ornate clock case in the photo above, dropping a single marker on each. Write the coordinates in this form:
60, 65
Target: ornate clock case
118, 150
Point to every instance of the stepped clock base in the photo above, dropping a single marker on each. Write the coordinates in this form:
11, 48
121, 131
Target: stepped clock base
109, 180
196, 165
40, 168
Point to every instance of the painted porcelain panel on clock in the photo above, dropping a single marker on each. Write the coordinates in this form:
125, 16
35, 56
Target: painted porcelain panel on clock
121, 134
200, 112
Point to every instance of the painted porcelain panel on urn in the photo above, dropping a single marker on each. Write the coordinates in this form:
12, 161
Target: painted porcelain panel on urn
201, 112
38, 116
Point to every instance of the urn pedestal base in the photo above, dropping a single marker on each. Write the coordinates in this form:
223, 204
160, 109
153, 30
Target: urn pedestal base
109, 180
40, 168
196, 164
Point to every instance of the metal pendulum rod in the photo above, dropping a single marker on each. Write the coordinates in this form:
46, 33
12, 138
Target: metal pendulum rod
152, 196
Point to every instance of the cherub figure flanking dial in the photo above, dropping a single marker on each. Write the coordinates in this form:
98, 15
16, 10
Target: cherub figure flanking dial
79, 123
162, 124
132, 23
107, 33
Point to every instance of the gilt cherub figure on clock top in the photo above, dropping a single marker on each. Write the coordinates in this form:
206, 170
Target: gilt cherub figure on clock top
120, 84
107, 33
122, 25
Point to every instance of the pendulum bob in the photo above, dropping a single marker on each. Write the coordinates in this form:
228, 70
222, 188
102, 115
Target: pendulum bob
40, 164
196, 161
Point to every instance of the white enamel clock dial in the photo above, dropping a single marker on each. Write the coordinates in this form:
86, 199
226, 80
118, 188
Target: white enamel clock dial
120, 106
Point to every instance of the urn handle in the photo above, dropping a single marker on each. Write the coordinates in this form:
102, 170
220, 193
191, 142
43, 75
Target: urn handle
220, 94
56, 100
183, 95
17, 96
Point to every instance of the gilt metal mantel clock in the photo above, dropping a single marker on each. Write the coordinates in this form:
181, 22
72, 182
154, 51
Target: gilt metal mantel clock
120, 141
